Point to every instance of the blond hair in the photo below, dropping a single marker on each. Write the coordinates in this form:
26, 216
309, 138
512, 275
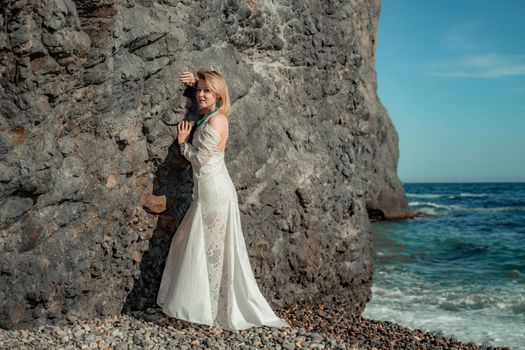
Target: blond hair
217, 85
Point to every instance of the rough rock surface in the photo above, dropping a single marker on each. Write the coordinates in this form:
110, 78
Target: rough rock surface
92, 186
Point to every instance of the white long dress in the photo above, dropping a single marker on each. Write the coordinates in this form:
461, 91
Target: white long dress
208, 278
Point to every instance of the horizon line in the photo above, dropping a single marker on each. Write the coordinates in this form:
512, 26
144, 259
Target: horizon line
464, 182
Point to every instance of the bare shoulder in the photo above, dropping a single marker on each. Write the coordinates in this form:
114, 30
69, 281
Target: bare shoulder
219, 123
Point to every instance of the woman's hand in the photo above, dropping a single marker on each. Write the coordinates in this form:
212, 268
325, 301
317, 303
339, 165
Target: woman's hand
188, 78
184, 129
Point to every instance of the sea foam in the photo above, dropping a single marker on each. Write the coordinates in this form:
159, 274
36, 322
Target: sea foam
458, 269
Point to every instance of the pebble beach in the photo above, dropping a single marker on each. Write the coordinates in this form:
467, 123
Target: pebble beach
313, 327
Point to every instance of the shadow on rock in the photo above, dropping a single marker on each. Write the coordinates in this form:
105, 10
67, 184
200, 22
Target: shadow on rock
173, 181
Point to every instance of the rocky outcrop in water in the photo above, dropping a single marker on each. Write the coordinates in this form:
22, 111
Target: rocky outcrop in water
93, 186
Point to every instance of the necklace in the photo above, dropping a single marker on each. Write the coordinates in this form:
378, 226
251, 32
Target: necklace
200, 121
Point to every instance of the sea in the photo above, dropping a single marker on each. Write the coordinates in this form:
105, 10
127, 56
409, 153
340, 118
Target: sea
458, 268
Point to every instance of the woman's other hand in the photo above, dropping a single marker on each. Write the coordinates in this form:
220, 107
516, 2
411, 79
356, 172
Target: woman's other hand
184, 129
188, 78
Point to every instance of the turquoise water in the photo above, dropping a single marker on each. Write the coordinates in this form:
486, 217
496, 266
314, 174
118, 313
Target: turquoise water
459, 268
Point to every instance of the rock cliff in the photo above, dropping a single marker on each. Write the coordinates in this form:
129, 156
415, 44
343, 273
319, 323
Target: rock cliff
93, 187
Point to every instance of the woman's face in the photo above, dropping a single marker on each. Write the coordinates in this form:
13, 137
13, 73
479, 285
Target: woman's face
205, 97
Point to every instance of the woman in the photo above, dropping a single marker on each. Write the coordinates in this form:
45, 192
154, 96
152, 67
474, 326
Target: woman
208, 278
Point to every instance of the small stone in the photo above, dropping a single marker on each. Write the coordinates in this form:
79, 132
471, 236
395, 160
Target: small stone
137, 340
288, 346
116, 333
102, 344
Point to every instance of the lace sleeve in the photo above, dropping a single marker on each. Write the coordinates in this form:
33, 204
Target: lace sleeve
206, 143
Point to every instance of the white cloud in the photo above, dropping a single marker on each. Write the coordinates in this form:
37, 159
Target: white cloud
472, 59
462, 36
480, 66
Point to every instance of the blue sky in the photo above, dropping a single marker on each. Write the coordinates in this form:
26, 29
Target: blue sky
452, 75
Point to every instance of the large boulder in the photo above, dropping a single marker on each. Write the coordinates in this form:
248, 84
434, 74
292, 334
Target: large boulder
93, 187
